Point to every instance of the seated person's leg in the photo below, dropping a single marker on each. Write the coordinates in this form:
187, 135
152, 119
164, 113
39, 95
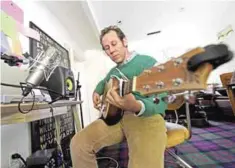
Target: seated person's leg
85, 144
146, 137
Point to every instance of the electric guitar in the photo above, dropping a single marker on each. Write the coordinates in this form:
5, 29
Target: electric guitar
187, 72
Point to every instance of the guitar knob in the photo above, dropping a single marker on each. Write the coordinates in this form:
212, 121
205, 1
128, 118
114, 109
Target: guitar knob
146, 87
160, 68
156, 100
178, 61
147, 71
160, 84
177, 81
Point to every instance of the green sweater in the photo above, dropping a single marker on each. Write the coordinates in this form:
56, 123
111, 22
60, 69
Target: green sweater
134, 68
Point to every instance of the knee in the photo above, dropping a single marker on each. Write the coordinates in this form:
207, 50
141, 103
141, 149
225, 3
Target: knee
79, 142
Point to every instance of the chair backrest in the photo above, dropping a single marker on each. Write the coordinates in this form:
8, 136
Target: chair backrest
177, 103
182, 100
228, 82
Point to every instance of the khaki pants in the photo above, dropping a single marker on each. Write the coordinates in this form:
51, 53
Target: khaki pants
146, 138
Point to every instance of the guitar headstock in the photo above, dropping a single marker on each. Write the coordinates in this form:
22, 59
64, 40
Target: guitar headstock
173, 76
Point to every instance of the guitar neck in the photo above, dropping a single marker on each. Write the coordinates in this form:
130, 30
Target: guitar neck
189, 71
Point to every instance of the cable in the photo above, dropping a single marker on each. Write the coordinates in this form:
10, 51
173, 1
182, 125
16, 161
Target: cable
177, 118
99, 158
32, 92
19, 104
58, 148
37, 87
58, 98
18, 156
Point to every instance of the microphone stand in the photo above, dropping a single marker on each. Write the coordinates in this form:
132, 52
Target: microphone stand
78, 95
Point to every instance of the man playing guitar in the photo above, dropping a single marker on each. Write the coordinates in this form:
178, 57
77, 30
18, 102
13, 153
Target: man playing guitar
142, 124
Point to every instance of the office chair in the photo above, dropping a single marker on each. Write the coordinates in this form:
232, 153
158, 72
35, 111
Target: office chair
228, 82
177, 133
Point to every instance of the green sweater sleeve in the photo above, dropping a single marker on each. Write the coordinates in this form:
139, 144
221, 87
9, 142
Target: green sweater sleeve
150, 107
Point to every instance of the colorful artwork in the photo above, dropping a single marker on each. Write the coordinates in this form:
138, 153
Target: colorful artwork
11, 9
12, 25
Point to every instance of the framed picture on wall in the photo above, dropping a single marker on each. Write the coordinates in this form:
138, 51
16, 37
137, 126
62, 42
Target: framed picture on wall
46, 41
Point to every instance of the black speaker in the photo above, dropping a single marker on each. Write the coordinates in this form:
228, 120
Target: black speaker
61, 81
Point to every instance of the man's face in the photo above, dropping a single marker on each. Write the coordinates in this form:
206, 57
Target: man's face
114, 47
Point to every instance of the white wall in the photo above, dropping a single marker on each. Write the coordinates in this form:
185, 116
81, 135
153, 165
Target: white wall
80, 67
16, 137
96, 66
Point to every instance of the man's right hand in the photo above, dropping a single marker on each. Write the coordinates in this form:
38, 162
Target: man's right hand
96, 100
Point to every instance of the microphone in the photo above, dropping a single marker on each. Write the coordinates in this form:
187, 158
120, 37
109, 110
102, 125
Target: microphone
40, 68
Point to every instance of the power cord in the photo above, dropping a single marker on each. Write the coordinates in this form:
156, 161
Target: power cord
117, 165
58, 148
21, 101
101, 156
18, 156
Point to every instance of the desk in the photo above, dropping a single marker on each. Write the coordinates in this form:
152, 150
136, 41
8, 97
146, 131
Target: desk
11, 115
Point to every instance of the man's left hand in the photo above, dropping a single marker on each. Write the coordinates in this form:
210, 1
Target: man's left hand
127, 102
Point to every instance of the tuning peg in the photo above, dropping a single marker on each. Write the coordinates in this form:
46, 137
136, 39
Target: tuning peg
178, 61
147, 71
177, 81
156, 100
160, 68
146, 87
160, 84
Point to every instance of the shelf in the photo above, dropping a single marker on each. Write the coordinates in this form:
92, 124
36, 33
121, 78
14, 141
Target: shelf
11, 115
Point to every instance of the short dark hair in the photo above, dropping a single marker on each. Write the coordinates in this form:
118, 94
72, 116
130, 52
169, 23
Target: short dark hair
115, 28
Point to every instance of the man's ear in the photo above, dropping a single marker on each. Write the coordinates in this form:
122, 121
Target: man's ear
125, 42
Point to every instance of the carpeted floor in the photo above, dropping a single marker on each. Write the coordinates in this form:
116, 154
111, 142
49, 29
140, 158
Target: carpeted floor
211, 147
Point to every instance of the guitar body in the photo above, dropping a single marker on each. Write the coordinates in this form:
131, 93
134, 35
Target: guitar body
110, 114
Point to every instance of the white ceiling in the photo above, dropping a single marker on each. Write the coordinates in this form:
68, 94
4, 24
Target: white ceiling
141, 17
74, 16
84, 19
